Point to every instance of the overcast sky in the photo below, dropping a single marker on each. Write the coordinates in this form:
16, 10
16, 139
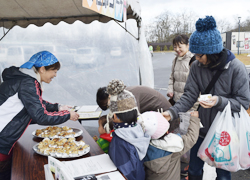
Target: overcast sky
220, 9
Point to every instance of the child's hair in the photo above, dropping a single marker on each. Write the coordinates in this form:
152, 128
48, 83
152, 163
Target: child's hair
55, 66
180, 39
192, 60
128, 117
103, 120
102, 98
214, 58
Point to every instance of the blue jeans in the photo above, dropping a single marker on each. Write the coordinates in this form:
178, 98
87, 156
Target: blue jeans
196, 164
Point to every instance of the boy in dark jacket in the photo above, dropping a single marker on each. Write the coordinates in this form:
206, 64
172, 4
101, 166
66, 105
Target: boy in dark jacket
129, 143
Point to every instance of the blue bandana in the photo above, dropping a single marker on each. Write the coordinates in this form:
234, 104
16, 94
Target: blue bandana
43, 58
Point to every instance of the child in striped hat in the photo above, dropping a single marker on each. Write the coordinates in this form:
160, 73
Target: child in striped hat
129, 143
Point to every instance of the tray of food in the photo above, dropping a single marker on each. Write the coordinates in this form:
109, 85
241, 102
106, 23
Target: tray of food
57, 132
61, 148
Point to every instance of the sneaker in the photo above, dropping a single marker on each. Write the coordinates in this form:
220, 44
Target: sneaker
185, 178
184, 172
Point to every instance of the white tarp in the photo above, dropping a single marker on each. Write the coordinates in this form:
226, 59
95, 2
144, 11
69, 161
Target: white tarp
91, 56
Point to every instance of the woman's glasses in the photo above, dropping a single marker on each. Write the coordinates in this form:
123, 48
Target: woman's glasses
200, 56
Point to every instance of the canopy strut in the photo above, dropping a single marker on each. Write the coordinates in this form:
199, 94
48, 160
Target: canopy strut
4, 34
125, 28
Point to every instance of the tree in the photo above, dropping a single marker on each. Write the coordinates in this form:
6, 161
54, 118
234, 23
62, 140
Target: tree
167, 24
171, 48
222, 25
244, 25
158, 48
165, 48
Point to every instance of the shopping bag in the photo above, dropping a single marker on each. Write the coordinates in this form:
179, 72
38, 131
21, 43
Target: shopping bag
220, 147
243, 131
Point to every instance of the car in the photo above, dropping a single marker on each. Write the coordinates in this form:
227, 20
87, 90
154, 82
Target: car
15, 56
28, 51
3, 54
87, 57
62, 53
116, 51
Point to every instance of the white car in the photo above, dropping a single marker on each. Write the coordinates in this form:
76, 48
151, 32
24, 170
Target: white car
15, 56
29, 51
116, 51
62, 53
87, 57
3, 54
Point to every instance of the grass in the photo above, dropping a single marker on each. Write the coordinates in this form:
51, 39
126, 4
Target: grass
243, 58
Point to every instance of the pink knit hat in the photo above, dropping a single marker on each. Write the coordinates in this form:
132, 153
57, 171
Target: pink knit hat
154, 124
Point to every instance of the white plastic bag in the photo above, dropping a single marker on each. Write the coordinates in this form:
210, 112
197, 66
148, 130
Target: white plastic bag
243, 130
220, 147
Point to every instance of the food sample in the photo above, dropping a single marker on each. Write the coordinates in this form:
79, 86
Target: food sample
55, 132
205, 97
62, 147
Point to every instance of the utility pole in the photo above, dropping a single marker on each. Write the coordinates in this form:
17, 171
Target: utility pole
239, 36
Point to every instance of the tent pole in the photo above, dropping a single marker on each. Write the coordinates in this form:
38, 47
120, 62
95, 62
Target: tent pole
139, 28
126, 30
6, 32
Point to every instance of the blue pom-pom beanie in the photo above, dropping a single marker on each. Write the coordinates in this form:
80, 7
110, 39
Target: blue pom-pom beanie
206, 39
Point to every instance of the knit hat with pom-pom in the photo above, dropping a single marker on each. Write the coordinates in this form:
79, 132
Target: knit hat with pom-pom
206, 39
121, 100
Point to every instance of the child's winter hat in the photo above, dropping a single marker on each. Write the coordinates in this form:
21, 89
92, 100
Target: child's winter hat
206, 39
154, 124
121, 100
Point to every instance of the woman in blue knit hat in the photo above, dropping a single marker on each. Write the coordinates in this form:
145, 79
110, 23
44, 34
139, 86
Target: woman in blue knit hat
21, 102
231, 86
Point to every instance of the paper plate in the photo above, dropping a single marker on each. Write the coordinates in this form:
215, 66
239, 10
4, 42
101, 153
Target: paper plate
85, 151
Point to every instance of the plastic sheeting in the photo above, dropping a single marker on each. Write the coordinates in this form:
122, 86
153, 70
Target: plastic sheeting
91, 55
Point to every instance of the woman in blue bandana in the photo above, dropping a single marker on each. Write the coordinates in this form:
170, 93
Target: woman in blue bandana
21, 102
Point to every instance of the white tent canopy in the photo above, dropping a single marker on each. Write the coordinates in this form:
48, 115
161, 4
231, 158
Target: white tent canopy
38, 12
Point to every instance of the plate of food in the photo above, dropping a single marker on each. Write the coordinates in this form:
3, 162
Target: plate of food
61, 148
57, 132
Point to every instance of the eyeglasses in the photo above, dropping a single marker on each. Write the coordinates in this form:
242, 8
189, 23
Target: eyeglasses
200, 56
